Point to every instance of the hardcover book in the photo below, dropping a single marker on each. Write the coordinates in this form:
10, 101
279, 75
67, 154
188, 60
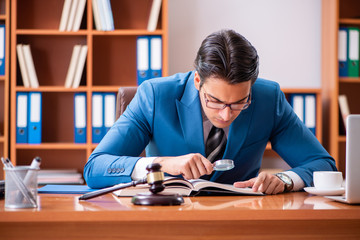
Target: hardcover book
191, 187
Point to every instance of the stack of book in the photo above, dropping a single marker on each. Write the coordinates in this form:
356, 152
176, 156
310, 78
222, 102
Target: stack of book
64, 176
72, 15
27, 67
76, 66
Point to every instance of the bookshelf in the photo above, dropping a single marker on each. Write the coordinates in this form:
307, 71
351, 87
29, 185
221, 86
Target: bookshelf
336, 13
4, 84
110, 63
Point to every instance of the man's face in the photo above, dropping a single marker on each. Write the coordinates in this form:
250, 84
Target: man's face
217, 90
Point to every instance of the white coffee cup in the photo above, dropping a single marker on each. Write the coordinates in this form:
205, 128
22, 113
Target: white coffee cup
327, 180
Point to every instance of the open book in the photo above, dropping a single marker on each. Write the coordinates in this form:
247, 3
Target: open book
189, 188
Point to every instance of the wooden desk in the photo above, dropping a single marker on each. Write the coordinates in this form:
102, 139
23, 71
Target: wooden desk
284, 216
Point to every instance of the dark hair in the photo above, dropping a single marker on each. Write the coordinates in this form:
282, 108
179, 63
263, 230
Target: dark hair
227, 55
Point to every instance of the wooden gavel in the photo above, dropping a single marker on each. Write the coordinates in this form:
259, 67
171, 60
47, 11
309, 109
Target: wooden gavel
154, 177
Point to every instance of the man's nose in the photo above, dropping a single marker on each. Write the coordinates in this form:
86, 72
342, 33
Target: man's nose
225, 113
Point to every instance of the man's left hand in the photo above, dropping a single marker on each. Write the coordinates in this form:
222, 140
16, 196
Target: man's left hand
264, 182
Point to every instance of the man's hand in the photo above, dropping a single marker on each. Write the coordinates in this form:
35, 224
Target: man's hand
264, 182
190, 166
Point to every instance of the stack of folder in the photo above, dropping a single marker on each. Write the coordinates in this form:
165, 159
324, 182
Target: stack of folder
304, 106
148, 57
28, 117
348, 51
72, 15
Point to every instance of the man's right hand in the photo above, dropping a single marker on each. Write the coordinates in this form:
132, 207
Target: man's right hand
190, 166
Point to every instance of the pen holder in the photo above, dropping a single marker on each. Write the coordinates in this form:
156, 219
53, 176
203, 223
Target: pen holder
21, 187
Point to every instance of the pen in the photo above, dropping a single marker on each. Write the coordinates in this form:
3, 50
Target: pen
35, 164
19, 183
111, 189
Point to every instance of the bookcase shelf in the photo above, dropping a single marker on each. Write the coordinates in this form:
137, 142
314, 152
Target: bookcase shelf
110, 63
5, 83
52, 89
336, 13
50, 146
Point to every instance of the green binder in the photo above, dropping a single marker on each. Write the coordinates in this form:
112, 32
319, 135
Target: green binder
353, 52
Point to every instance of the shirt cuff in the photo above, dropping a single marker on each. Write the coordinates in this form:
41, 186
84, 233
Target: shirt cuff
298, 182
140, 171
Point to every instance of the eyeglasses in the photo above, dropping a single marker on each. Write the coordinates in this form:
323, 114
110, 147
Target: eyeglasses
232, 106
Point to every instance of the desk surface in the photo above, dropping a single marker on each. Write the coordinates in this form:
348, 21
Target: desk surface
314, 215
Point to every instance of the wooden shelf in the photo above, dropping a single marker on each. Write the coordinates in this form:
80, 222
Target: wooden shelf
342, 138
52, 146
110, 63
349, 80
52, 89
349, 21
127, 32
50, 32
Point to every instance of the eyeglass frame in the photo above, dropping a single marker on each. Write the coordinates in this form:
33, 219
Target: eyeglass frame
224, 105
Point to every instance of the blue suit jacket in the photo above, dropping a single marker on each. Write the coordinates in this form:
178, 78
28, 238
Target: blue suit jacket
165, 114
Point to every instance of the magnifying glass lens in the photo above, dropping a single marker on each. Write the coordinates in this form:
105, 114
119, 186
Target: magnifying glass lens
223, 165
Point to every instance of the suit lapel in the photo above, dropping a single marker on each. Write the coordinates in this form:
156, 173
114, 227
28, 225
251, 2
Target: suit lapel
189, 112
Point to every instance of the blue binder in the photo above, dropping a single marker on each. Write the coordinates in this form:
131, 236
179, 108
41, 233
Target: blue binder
21, 117
304, 105
310, 112
297, 102
343, 51
2, 49
35, 109
97, 118
155, 56
109, 110
80, 117
142, 59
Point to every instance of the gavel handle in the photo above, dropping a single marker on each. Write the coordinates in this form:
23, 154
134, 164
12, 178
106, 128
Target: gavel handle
103, 191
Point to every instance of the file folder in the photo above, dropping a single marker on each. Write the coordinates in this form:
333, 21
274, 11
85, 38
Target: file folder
109, 110
142, 59
80, 117
35, 109
342, 52
21, 117
2, 49
310, 112
155, 56
297, 102
353, 60
97, 117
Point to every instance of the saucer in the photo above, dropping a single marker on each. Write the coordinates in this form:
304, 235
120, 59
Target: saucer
325, 192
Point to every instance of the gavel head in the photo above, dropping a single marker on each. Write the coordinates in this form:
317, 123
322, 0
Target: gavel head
155, 178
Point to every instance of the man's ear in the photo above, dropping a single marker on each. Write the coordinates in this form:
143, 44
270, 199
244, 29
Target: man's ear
197, 81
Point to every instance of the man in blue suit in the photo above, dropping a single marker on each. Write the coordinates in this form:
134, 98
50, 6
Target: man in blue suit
174, 116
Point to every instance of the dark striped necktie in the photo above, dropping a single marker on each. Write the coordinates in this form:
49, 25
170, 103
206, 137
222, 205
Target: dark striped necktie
215, 144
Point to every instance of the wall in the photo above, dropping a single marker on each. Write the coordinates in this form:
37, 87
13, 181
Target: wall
286, 34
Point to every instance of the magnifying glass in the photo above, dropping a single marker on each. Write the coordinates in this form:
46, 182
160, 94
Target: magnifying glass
223, 165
